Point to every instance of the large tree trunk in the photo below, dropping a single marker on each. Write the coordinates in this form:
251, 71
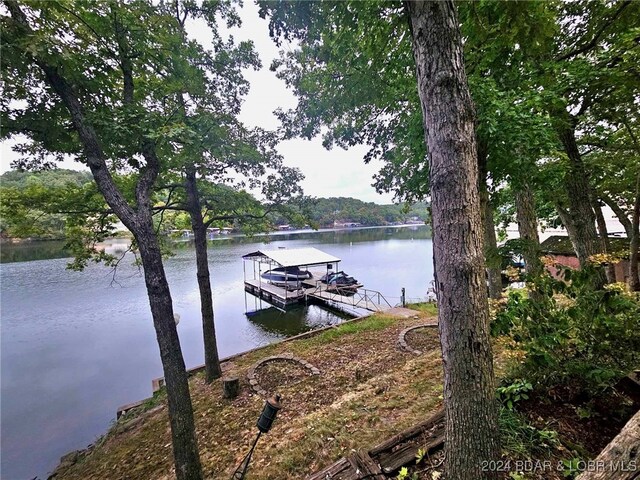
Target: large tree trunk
185, 446
139, 222
634, 257
576, 183
492, 259
211, 359
605, 244
528, 228
469, 388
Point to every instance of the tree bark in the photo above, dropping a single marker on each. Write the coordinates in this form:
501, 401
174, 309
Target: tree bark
610, 268
211, 359
448, 113
139, 221
620, 213
576, 182
528, 229
620, 460
230, 387
183, 436
492, 259
634, 255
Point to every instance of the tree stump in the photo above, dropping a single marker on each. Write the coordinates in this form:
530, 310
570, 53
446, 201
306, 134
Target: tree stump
620, 460
230, 387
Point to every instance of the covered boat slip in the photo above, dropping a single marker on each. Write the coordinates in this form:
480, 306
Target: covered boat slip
308, 288
289, 291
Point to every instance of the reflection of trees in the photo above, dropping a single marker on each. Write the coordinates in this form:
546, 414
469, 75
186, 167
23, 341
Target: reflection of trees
350, 235
29, 251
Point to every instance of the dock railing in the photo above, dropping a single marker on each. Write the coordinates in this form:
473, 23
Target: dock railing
361, 298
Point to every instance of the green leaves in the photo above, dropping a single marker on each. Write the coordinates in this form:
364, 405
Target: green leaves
513, 392
572, 334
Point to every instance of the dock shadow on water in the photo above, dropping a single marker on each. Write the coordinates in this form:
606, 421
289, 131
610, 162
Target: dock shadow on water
294, 320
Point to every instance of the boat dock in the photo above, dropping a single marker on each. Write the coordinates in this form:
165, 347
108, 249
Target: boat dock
311, 289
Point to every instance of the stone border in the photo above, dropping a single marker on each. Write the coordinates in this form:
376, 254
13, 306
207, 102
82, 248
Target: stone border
287, 357
158, 383
402, 338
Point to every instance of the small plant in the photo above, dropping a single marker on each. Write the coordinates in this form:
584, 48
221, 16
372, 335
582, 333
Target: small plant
510, 394
584, 412
572, 333
403, 474
420, 455
521, 439
571, 467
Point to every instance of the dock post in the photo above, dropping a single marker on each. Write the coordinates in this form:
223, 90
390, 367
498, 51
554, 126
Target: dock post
402, 296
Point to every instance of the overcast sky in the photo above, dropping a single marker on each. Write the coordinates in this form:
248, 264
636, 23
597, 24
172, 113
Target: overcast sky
336, 172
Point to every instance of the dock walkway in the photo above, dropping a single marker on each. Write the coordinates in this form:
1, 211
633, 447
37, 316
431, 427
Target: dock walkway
310, 289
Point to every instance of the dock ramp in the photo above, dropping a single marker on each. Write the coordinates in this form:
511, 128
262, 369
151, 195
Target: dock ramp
362, 298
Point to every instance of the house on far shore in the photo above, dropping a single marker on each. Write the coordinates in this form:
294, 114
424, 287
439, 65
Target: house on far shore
561, 250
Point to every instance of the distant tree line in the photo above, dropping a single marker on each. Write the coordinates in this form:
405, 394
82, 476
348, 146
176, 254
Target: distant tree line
323, 212
27, 199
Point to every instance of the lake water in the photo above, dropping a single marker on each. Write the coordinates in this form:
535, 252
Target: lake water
77, 345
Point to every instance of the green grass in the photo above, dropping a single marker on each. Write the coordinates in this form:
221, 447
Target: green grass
426, 307
369, 324
521, 439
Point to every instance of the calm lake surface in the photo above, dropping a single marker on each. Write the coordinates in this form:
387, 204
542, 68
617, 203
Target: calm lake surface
76, 346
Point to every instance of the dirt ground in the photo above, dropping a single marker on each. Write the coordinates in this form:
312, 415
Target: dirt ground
368, 390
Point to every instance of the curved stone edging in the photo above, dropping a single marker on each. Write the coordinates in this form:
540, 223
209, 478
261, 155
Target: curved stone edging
402, 338
288, 357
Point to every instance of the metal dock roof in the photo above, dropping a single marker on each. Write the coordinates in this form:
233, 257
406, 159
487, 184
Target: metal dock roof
293, 257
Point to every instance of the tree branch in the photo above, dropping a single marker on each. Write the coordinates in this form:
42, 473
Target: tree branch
91, 146
594, 41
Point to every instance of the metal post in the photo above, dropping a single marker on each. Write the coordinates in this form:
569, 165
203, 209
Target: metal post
402, 295
241, 471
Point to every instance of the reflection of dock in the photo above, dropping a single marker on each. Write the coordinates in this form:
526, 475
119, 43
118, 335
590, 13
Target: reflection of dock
296, 291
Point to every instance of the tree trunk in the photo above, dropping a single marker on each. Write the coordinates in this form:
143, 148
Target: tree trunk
610, 268
528, 229
620, 213
185, 446
211, 359
577, 185
469, 388
620, 460
634, 257
492, 259
139, 221
230, 387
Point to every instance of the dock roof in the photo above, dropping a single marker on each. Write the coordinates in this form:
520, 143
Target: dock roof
293, 257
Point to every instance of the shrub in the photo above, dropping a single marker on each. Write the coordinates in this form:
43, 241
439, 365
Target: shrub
512, 393
572, 333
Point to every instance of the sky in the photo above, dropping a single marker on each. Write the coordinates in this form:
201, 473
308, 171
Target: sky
333, 173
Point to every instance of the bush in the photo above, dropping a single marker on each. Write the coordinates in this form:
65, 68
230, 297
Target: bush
572, 333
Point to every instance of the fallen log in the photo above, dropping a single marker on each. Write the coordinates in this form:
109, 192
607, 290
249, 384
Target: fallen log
620, 460
405, 455
433, 420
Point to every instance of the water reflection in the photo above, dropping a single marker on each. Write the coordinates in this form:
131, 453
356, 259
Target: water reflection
29, 251
75, 346
293, 321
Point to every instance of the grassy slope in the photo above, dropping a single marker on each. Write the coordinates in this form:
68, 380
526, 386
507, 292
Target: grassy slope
368, 390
